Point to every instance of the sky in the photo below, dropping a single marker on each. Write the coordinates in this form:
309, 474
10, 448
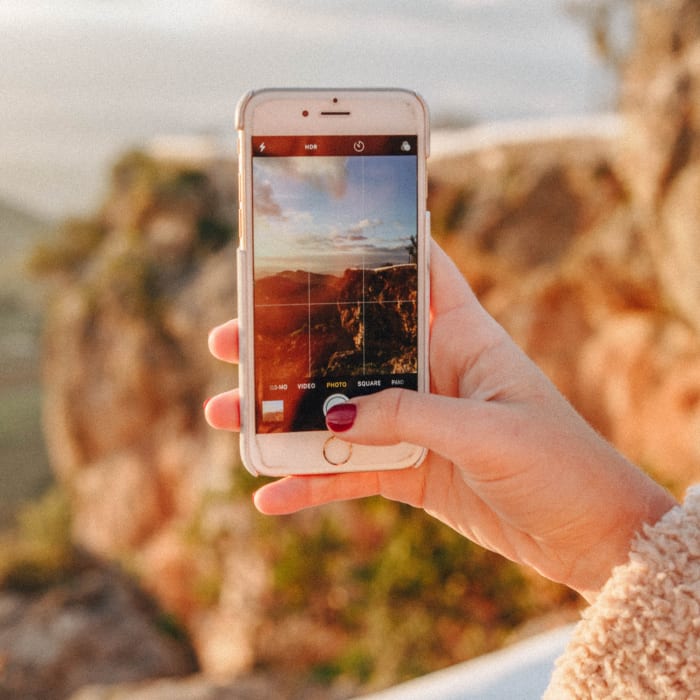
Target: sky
84, 80
324, 214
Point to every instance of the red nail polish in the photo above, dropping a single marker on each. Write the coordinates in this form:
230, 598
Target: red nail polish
341, 417
206, 401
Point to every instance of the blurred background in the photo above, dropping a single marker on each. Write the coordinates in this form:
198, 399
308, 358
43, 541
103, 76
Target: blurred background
564, 183
83, 81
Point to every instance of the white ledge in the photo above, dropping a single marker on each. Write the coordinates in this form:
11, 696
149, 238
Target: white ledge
518, 672
449, 142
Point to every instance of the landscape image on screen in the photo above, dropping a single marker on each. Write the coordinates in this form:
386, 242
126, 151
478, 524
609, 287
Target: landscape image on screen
335, 285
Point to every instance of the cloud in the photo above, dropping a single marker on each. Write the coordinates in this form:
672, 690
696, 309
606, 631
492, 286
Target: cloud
265, 202
363, 225
326, 174
355, 236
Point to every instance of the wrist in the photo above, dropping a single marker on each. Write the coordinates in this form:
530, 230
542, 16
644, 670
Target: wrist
645, 503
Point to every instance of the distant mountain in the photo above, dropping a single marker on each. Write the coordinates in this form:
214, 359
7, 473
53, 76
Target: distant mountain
24, 469
20, 230
295, 286
18, 225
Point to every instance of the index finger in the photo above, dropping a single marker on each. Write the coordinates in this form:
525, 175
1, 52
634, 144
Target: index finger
223, 341
293, 493
448, 288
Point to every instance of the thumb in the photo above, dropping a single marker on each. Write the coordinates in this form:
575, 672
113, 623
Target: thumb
443, 424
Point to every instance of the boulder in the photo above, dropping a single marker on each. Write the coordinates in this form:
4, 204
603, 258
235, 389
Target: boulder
96, 627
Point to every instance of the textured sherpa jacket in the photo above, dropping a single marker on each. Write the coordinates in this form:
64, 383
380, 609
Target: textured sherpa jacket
641, 637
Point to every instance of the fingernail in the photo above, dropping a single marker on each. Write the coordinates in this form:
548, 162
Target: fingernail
341, 417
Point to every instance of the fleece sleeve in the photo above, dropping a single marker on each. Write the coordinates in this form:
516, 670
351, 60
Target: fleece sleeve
641, 637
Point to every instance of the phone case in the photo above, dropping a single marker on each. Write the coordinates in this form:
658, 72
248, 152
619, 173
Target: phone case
326, 452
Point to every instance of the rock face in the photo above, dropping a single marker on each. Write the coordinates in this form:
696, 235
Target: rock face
596, 311
661, 103
384, 332
126, 369
588, 252
97, 627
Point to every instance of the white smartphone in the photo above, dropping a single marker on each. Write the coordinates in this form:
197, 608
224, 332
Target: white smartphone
333, 297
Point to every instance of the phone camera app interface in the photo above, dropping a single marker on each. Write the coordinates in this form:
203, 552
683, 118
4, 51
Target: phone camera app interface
335, 273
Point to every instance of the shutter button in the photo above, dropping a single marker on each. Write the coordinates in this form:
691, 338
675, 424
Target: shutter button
333, 400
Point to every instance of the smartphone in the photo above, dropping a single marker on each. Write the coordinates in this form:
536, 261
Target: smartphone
333, 278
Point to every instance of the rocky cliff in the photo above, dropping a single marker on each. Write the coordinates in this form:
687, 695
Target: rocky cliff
126, 369
587, 250
384, 331
592, 308
337, 333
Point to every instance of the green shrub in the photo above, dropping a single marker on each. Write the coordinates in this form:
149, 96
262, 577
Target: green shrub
38, 552
74, 244
213, 234
135, 169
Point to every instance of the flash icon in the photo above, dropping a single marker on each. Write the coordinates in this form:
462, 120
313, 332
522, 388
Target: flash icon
262, 147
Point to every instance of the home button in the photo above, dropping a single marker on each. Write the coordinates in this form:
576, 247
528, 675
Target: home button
336, 451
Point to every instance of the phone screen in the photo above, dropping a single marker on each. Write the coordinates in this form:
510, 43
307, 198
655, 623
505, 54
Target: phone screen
335, 273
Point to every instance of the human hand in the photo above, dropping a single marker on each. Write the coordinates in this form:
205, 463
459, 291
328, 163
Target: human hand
511, 465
